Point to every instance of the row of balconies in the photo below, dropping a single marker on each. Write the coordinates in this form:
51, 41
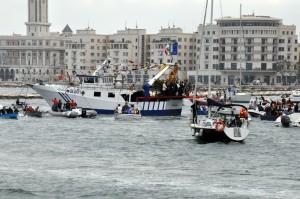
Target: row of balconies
247, 44
256, 69
252, 60
31, 48
249, 52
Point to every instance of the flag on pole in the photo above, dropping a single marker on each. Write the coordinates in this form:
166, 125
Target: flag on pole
168, 50
171, 49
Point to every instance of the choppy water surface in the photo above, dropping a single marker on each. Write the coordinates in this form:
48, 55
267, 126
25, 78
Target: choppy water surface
150, 158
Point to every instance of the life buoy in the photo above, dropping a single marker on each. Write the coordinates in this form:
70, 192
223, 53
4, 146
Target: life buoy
220, 126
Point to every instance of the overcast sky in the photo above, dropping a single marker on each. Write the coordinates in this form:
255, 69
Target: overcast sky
108, 16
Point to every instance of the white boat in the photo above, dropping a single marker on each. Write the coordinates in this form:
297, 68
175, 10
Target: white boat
121, 116
288, 120
94, 92
295, 96
238, 97
256, 113
296, 93
212, 129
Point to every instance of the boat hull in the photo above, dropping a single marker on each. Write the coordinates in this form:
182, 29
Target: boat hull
34, 114
148, 106
268, 118
127, 116
160, 106
210, 135
68, 114
9, 116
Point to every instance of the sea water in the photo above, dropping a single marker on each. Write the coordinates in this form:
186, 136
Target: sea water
54, 157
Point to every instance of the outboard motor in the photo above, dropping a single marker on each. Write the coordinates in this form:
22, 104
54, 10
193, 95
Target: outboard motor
83, 113
285, 121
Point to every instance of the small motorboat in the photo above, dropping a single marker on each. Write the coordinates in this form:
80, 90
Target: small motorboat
8, 113
69, 113
255, 113
87, 113
288, 120
9, 116
33, 113
269, 117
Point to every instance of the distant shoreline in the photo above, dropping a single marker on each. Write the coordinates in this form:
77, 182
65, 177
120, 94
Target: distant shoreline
20, 96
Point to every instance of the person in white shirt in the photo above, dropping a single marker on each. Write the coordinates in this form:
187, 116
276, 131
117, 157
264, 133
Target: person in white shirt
119, 108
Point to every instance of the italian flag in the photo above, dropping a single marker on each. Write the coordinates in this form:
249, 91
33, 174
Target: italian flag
168, 50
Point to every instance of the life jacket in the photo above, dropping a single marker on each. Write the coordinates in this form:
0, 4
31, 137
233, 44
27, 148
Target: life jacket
243, 113
73, 104
55, 102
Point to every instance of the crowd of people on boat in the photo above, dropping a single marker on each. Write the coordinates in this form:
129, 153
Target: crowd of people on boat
8, 110
274, 107
58, 106
126, 109
172, 88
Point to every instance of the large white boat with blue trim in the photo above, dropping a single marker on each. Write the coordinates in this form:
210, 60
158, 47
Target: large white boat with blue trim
98, 92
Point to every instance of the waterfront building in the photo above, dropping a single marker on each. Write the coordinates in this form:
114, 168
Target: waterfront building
257, 47
85, 51
185, 58
39, 54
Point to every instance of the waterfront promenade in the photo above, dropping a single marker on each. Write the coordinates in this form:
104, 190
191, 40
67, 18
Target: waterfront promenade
255, 90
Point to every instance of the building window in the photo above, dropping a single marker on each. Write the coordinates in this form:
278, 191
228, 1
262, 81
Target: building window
192, 78
248, 66
263, 66
233, 66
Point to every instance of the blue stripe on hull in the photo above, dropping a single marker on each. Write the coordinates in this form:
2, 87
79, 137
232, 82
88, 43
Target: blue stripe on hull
104, 112
173, 112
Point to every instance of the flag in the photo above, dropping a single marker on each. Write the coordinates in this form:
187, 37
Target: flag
130, 61
168, 50
175, 48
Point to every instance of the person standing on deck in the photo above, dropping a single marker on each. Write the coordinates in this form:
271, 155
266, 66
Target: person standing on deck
73, 104
55, 104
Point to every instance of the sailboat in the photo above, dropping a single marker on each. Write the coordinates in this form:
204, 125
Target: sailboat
234, 95
224, 122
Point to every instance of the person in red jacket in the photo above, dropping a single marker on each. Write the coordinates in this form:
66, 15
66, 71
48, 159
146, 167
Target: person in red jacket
30, 109
73, 104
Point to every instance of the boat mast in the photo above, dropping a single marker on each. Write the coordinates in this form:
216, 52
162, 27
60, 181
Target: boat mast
200, 51
211, 48
241, 42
